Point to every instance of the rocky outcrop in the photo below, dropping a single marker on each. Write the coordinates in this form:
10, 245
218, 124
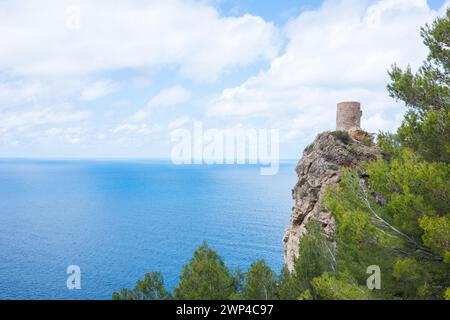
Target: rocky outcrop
358, 134
318, 168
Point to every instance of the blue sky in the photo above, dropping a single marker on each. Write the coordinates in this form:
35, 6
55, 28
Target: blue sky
279, 11
89, 79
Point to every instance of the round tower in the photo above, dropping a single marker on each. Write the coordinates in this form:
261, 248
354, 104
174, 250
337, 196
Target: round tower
348, 115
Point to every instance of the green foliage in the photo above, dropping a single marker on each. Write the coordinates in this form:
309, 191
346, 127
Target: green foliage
315, 257
429, 87
306, 295
205, 277
447, 294
427, 134
407, 233
331, 288
260, 282
363, 238
367, 140
342, 136
436, 234
411, 274
238, 284
290, 288
426, 128
151, 288
390, 144
398, 219
414, 184
411, 188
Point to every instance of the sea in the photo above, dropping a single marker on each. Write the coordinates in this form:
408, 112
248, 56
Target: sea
118, 219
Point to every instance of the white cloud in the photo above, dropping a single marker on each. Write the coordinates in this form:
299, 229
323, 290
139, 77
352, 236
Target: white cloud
41, 116
19, 91
136, 129
29, 91
179, 122
142, 136
169, 97
444, 7
341, 51
98, 90
127, 128
36, 124
165, 98
41, 39
141, 82
71, 135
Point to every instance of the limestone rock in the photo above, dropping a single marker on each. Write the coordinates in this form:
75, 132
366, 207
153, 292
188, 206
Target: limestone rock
318, 168
358, 134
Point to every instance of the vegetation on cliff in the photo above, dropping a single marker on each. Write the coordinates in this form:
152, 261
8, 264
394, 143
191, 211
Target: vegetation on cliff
399, 218
395, 218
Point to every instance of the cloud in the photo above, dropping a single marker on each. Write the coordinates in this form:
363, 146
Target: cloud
30, 91
134, 130
133, 135
37, 124
444, 7
127, 128
179, 122
341, 51
141, 82
81, 37
98, 90
20, 91
165, 98
71, 135
38, 116
56, 60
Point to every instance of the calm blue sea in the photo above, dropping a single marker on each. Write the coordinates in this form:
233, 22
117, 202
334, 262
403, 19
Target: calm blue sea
120, 219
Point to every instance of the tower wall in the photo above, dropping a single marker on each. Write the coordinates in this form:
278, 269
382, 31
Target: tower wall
348, 115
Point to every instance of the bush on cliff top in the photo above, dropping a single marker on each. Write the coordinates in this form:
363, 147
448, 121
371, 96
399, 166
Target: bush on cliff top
342, 136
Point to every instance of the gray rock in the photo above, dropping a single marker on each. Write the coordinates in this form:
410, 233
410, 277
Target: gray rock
318, 168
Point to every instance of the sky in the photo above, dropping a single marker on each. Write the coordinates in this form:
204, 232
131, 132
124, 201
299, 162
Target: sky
104, 79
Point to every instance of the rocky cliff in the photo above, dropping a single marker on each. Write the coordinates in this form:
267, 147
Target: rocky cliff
318, 168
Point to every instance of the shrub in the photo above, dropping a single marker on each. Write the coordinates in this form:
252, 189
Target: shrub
341, 136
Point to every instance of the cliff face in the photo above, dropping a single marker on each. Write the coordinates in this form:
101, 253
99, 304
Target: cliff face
318, 168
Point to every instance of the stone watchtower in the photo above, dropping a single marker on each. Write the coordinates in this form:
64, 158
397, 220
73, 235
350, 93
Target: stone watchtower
348, 115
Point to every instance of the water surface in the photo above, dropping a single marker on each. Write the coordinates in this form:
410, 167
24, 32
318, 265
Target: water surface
120, 219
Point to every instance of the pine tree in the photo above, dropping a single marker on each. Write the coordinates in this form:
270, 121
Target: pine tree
150, 288
399, 218
260, 282
426, 128
205, 277
316, 256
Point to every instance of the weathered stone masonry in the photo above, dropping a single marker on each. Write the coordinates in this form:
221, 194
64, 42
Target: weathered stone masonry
348, 115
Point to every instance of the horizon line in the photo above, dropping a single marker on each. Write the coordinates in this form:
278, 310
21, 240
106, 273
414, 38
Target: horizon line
110, 159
